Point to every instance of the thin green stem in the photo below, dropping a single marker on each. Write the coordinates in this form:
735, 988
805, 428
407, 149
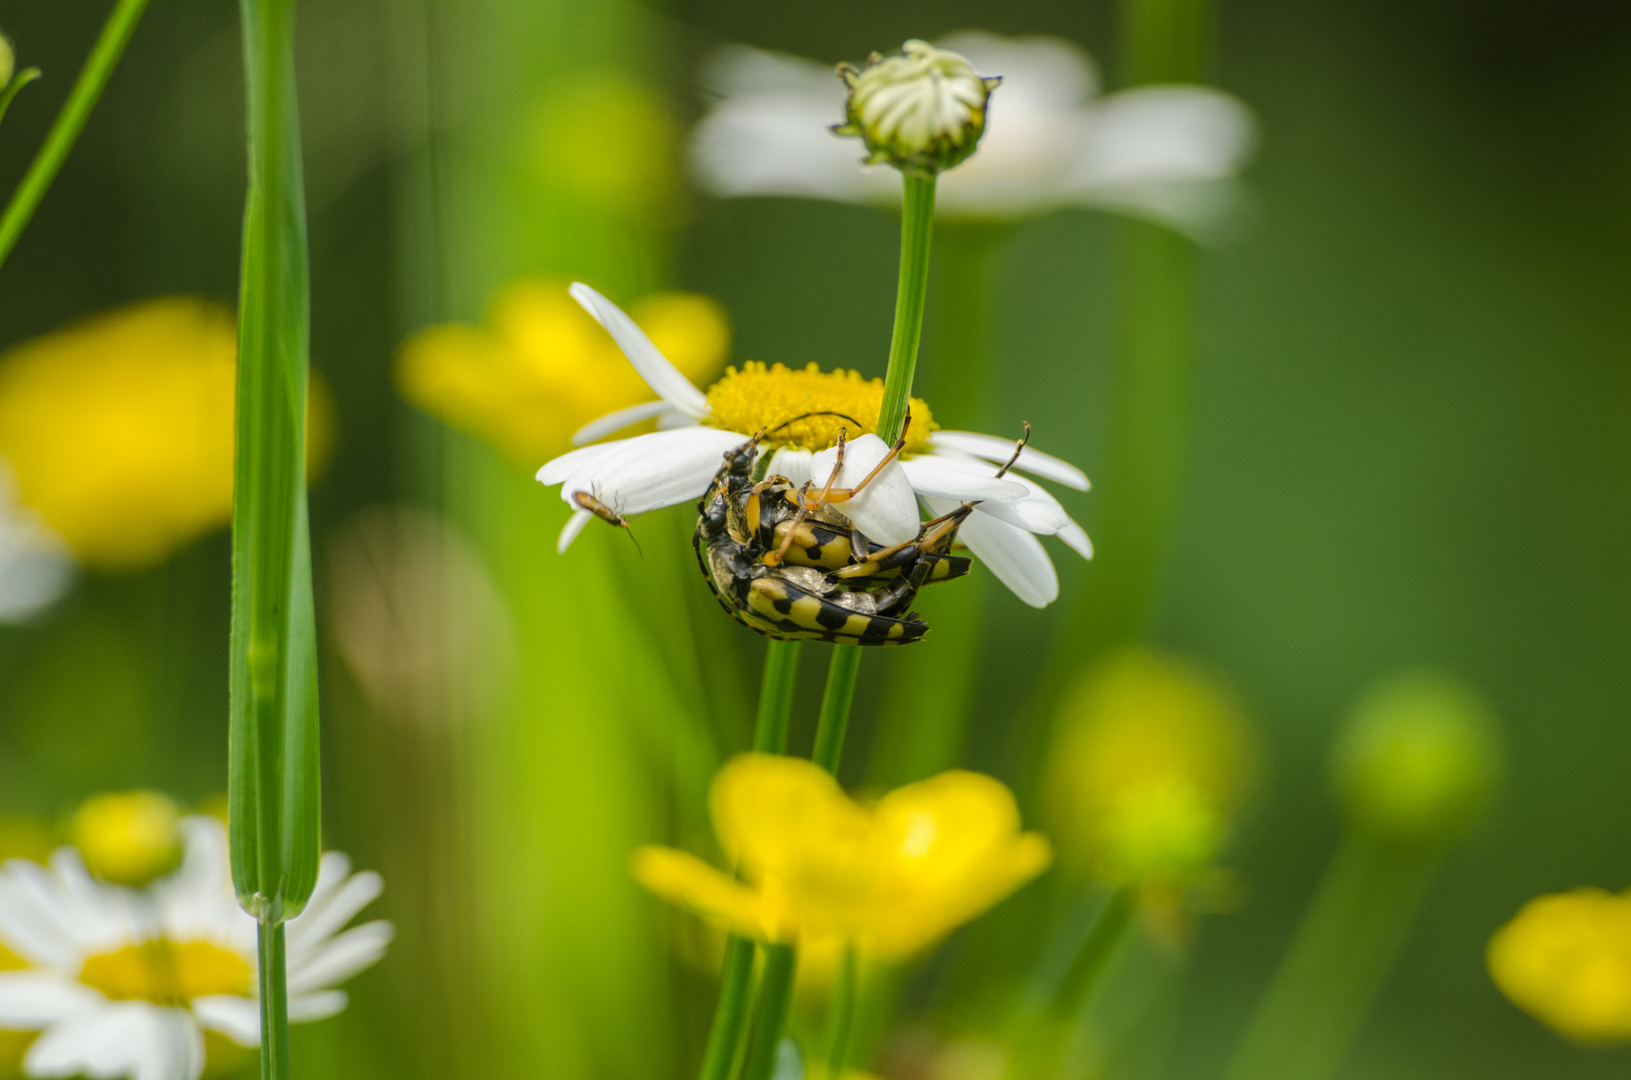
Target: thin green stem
835, 705
1094, 956
1045, 1028
770, 1018
15, 86
727, 1035
776, 697
274, 1007
93, 77
841, 1017
916, 229
1342, 952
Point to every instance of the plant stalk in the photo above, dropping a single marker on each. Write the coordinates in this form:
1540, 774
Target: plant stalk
1343, 949
727, 1035
841, 1018
916, 229
770, 1018
273, 785
93, 77
274, 1007
833, 722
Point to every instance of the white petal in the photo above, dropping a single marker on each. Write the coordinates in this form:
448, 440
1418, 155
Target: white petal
238, 1018
886, 509
133, 1039
944, 478
1164, 134
316, 925
613, 422
777, 143
651, 471
793, 465
197, 900
998, 450
1015, 556
25, 929
1038, 73
661, 375
33, 999
1038, 512
556, 470
341, 958
1076, 537
318, 1005
569, 532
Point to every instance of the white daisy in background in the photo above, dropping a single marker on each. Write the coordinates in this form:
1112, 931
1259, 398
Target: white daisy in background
1164, 152
124, 983
35, 565
677, 463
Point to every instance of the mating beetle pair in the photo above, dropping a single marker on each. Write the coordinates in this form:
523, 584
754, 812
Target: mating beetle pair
784, 562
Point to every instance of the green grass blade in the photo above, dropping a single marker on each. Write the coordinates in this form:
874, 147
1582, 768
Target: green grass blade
110, 45
273, 780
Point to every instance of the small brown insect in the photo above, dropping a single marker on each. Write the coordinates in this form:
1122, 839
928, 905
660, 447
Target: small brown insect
605, 513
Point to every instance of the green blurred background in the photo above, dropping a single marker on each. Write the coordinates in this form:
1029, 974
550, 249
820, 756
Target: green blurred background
1411, 445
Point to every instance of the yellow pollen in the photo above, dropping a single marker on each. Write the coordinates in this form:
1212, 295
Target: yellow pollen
167, 972
757, 398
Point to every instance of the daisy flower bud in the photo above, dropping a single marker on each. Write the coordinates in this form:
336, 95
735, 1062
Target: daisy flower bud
1418, 761
922, 112
128, 838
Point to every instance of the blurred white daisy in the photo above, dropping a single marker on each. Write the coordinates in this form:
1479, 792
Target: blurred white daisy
802, 413
1169, 153
124, 983
35, 565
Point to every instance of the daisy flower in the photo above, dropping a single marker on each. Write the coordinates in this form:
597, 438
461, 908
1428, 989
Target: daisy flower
802, 413
125, 983
1164, 152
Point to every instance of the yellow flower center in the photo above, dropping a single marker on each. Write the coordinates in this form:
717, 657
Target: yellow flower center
795, 408
167, 972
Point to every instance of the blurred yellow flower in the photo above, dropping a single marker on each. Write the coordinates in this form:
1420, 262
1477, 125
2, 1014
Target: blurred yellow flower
128, 837
1566, 960
893, 877
1152, 759
120, 429
541, 368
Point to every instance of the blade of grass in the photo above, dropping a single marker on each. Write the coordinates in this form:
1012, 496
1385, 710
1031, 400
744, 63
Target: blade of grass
93, 77
273, 778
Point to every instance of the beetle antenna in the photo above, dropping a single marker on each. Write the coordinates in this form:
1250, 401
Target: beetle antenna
1018, 449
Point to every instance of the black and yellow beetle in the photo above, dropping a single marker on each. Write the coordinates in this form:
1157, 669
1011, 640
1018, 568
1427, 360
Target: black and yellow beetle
792, 567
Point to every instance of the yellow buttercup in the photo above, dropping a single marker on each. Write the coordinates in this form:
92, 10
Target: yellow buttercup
541, 369
1566, 960
893, 877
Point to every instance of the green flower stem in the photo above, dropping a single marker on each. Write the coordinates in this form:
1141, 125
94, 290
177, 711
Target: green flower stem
1045, 1027
726, 1037
274, 1007
835, 704
1094, 956
916, 228
841, 1018
1342, 951
917, 225
940, 682
776, 697
770, 1018
110, 45
272, 783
